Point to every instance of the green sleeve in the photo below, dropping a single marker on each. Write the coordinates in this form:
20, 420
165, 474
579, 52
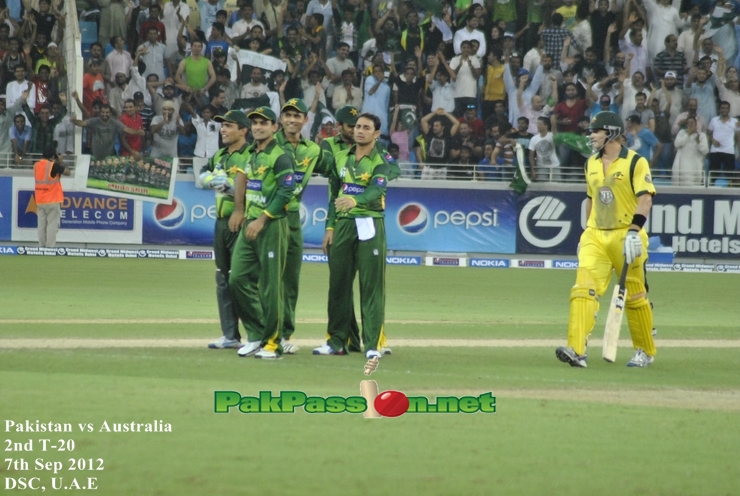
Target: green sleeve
283, 169
376, 189
331, 214
325, 163
32, 119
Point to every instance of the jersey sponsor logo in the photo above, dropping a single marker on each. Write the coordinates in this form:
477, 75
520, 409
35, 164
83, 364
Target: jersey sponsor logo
565, 264
7, 250
403, 260
254, 185
289, 180
446, 261
315, 257
489, 262
352, 189
413, 218
380, 181
545, 211
648, 179
531, 264
203, 255
170, 216
617, 175
299, 176
605, 195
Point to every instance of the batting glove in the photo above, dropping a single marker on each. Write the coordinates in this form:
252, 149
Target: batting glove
217, 182
225, 188
632, 246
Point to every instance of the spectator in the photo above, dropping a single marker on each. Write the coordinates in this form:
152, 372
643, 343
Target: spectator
691, 152
323, 9
730, 92
647, 118
691, 111
20, 138
686, 38
42, 127
554, 37
628, 88
522, 85
504, 149
635, 52
15, 89
146, 111
672, 98
702, 89
664, 160
551, 77
176, 14
255, 88
207, 129
217, 42
208, 10
12, 59
242, 28
6, 123
335, 67
469, 33
132, 144
565, 117
605, 105
665, 22
377, 99
195, 73
432, 147
533, 58
487, 171
543, 161
164, 129
467, 68
494, 88
118, 60
218, 97
347, 94
400, 137
465, 138
443, 90
669, 60
154, 55
601, 19
642, 140
723, 131
104, 130
568, 10
153, 21
112, 20
407, 92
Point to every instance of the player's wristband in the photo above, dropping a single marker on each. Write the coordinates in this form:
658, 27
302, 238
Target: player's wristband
639, 220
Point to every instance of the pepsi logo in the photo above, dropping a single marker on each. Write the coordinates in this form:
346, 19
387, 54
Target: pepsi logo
413, 218
169, 216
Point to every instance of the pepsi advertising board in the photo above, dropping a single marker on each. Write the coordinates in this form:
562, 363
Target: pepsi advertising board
6, 208
188, 220
430, 219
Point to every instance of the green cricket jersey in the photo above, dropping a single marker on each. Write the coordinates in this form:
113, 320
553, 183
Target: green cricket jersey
308, 159
228, 163
270, 181
365, 181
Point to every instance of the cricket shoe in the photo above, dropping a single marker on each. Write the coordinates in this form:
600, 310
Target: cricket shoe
223, 343
568, 355
328, 350
268, 355
373, 354
250, 348
288, 347
387, 351
640, 359
654, 332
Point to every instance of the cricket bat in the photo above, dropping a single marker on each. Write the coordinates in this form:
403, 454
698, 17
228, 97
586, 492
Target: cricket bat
614, 318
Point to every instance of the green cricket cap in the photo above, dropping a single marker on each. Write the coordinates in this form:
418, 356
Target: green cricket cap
264, 112
296, 104
236, 116
348, 115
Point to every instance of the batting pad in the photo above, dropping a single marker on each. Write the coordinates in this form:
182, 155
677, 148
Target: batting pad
583, 309
639, 316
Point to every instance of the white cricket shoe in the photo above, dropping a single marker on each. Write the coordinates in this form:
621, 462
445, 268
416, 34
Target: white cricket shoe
640, 359
373, 354
328, 350
288, 347
569, 356
387, 351
223, 343
250, 348
263, 353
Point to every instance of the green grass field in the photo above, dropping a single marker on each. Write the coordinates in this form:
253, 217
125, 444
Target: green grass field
670, 429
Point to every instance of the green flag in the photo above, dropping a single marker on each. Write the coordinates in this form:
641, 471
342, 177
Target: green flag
521, 179
574, 141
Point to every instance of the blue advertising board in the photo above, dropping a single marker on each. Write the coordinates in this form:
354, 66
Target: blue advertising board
6, 208
188, 220
448, 220
689, 225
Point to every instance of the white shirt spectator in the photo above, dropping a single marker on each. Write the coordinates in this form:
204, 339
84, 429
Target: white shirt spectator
466, 34
336, 67
544, 149
64, 135
172, 24
640, 57
443, 96
342, 97
154, 59
531, 60
14, 90
250, 90
309, 92
242, 26
724, 132
466, 84
207, 143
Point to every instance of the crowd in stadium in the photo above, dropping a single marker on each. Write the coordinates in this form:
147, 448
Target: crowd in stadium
456, 85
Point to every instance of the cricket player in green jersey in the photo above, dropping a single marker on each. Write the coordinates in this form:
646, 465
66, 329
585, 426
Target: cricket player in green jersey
266, 182
358, 181
307, 159
218, 174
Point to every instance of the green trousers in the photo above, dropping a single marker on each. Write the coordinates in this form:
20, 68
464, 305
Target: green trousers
348, 256
223, 246
291, 281
256, 282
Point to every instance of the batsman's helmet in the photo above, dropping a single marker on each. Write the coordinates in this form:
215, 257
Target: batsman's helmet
609, 122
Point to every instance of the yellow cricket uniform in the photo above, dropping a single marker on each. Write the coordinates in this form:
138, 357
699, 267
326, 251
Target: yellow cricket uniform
614, 195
